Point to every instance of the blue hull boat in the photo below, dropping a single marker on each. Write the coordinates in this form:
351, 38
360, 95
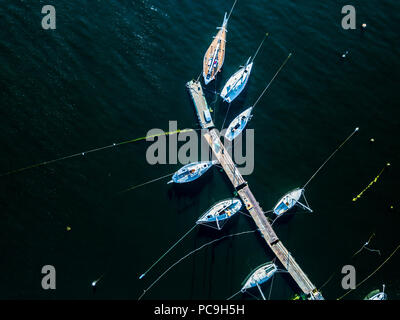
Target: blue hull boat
191, 171
219, 213
262, 274
237, 83
289, 200
238, 124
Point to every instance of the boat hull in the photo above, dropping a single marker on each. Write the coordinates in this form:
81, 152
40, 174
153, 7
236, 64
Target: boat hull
288, 201
215, 55
192, 171
376, 295
238, 124
262, 274
222, 211
236, 83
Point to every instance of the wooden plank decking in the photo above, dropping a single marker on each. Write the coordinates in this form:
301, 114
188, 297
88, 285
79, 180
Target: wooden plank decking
223, 157
220, 43
257, 213
200, 102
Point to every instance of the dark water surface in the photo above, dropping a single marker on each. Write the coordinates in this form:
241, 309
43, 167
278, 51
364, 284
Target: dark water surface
112, 70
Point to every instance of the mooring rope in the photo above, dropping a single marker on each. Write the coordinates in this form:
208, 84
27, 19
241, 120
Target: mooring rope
326, 282
371, 183
334, 273
163, 255
226, 115
234, 295
273, 221
146, 183
80, 154
259, 47
270, 289
248, 292
189, 254
276, 74
244, 213
330, 157
231, 10
376, 270
198, 78
365, 247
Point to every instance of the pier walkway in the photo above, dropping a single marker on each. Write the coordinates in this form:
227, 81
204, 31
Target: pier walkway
253, 207
200, 103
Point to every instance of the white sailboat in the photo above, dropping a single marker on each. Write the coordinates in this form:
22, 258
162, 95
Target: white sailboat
191, 171
219, 213
236, 83
239, 123
259, 276
377, 295
291, 199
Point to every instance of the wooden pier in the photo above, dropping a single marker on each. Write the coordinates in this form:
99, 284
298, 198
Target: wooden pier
200, 103
255, 210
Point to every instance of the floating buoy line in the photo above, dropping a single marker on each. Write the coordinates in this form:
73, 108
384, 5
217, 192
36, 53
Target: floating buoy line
146, 183
364, 246
81, 154
371, 183
371, 274
210, 72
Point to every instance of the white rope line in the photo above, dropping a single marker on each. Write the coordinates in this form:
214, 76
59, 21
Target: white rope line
190, 253
330, 157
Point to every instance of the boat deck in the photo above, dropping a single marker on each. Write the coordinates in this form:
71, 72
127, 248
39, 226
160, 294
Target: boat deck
257, 213
200, 102
220, 42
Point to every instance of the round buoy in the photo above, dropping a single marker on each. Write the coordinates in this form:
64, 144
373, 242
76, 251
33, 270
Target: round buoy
372, 140
364, 25
68, 228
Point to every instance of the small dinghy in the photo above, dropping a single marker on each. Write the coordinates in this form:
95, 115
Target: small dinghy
377, 295
260, 275
215, 54
289, 200
191, 171
238, 124
220, 213
237, 83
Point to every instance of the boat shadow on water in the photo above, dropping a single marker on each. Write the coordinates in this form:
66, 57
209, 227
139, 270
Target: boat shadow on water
190, 189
